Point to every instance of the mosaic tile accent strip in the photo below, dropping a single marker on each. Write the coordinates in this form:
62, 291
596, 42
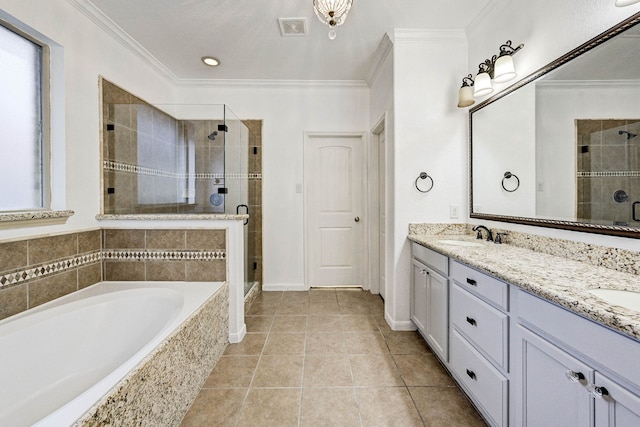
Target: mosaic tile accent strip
43, 270
594, 174
17, 277
147, 255
140, 170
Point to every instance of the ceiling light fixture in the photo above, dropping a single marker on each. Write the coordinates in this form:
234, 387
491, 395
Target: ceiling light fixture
499, 69
332, 13
211, 61
623, 3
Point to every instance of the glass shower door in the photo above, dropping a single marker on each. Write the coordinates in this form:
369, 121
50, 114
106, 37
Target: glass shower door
236, 166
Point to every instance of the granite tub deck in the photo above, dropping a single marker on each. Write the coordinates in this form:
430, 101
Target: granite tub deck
559, 280
160, 390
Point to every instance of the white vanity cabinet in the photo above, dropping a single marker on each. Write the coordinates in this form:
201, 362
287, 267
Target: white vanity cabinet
479, 357
570, 371
430, 298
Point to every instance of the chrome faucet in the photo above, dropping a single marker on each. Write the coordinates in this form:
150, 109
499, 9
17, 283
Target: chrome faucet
479, 229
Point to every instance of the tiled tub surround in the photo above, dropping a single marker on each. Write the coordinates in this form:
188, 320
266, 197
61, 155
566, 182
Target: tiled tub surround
180, 255
37, 270
160, 390
562, 275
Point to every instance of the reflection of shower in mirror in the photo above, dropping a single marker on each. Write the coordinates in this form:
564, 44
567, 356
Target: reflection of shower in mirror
629, 134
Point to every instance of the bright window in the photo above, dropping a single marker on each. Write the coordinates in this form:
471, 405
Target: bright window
22, 147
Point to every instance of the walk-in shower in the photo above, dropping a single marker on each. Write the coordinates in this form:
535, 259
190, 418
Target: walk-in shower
608, 171
175, 159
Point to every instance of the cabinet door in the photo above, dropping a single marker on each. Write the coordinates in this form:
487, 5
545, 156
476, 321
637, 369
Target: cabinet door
554, 385
419, 298
437, 328
615, 406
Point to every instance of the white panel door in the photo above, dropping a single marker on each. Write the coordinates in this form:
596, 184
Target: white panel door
335, 222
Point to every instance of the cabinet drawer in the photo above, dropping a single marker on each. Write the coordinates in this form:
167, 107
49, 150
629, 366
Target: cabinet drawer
483, 325
484, 384
431, 258
483, 285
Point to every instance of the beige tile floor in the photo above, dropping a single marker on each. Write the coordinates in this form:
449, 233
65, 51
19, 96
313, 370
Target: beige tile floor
326, 357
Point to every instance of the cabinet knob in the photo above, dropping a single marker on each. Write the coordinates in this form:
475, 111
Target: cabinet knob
472, 282
598, 392
575, 376
424, 272
471, 321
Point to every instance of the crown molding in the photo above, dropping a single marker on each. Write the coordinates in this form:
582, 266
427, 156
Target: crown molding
270, 83
490, 9
117, 33
419, 35
380, 56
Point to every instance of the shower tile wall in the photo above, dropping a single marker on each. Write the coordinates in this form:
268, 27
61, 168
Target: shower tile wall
255, 197
35, 271
209, 166
144, 156
608, 161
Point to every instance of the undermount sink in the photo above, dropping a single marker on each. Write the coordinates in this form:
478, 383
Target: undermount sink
627, 299
460, 243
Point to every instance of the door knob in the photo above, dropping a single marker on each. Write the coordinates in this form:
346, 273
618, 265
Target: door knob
357, 219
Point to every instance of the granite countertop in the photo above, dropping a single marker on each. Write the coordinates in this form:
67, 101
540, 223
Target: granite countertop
556, 279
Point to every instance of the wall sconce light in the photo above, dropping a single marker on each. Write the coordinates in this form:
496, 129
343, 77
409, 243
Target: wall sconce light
465, 95
499, 69
623, 3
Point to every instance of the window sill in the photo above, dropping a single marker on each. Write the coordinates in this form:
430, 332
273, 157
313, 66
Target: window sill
33, 218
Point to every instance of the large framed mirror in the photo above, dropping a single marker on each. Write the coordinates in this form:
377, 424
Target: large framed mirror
561, 147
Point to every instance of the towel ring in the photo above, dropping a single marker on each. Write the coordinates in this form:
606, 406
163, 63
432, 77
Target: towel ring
509, 175
424, 175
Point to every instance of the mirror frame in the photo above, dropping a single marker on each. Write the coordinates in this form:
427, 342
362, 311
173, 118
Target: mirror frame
614, 230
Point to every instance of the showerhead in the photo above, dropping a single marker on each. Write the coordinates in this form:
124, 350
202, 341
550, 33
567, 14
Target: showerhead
629, 134
212, 135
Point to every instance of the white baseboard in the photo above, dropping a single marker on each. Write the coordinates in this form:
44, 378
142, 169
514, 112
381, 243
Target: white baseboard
399, 325
284, 287
235, 338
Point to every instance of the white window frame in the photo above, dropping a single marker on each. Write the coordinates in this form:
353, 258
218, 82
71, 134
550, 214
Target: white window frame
53, 129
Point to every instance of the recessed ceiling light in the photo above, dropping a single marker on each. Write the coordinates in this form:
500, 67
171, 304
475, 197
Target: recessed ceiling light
211, 61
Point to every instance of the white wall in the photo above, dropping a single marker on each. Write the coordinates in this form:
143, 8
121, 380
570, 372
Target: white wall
430, 135
88, 53
548, 28
287, 112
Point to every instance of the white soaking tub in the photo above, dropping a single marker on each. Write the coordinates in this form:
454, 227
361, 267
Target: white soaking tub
59, 359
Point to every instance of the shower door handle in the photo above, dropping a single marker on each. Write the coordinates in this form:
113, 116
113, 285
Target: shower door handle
247, 212
633, 211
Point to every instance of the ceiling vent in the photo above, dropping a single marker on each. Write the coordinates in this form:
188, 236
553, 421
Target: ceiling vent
293, 27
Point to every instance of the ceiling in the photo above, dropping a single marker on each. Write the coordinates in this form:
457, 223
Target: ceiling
245, 34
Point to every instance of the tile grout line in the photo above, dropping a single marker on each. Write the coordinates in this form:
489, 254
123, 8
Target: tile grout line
264, 345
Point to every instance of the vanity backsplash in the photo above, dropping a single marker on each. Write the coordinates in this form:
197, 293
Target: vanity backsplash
623, 260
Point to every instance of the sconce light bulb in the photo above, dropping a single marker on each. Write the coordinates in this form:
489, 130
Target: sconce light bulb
504, 70
332, 34
482, 84
465, 97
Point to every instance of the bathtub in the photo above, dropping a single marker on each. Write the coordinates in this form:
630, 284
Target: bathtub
60, 359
